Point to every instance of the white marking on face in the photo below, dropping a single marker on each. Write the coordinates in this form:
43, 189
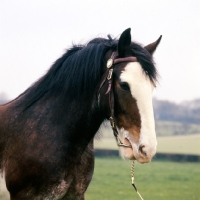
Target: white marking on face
142, 89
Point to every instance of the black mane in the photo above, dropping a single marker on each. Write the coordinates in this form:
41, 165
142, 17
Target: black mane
78, 71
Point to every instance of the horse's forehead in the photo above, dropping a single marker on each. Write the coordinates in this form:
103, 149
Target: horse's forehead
131, 70
134, 74
141, 87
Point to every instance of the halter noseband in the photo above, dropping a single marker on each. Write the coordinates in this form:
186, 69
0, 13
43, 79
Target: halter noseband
108, 78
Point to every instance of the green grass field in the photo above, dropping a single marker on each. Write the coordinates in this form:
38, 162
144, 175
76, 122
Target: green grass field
158, 180
161, 180
170, 128
188, 144
182, 144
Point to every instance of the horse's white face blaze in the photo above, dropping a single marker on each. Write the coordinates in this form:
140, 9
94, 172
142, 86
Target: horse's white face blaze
143, 137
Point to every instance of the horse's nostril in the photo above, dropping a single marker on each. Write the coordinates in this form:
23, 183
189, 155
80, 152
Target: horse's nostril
141, 149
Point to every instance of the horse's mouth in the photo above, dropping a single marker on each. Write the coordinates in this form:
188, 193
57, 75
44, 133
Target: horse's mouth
128, 151
133, 153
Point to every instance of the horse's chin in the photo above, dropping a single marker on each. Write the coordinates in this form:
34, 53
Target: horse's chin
128, 151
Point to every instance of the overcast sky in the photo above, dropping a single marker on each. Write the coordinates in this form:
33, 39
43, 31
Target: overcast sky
34, 33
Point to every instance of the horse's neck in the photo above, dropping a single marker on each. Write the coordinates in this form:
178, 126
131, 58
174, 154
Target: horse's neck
71, 122
84, 120
79, 120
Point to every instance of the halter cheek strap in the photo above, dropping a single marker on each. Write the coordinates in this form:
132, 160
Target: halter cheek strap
109, 79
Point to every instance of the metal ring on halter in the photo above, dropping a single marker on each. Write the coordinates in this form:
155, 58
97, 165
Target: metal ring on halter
121, 144
109, 63
115, 132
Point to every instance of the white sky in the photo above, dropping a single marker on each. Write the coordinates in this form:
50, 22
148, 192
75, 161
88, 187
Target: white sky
34, 33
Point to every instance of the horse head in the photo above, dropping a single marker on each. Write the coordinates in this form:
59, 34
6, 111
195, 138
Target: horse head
128, 97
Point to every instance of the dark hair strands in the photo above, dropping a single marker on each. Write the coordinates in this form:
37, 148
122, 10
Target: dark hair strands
77, 72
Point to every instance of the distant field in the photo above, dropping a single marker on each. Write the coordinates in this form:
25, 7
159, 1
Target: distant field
156, 180
167, 128
3, 191
183, 144
188, 144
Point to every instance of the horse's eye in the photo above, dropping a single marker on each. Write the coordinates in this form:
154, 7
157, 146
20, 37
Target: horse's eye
124, 86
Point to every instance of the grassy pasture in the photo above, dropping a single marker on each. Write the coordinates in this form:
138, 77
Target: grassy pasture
188, 144
3, 192
183, 144
161, 180
169, 128
156, 180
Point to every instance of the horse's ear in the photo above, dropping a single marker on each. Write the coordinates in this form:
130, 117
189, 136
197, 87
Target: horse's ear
152, 47
124, 42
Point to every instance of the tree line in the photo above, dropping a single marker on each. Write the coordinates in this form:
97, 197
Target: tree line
185, 112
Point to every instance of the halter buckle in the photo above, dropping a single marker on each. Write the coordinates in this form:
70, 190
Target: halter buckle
109, 63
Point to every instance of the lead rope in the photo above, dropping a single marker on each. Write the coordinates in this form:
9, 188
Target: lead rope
132, 180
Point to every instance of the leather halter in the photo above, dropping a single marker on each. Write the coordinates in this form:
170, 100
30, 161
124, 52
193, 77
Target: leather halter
109, 78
